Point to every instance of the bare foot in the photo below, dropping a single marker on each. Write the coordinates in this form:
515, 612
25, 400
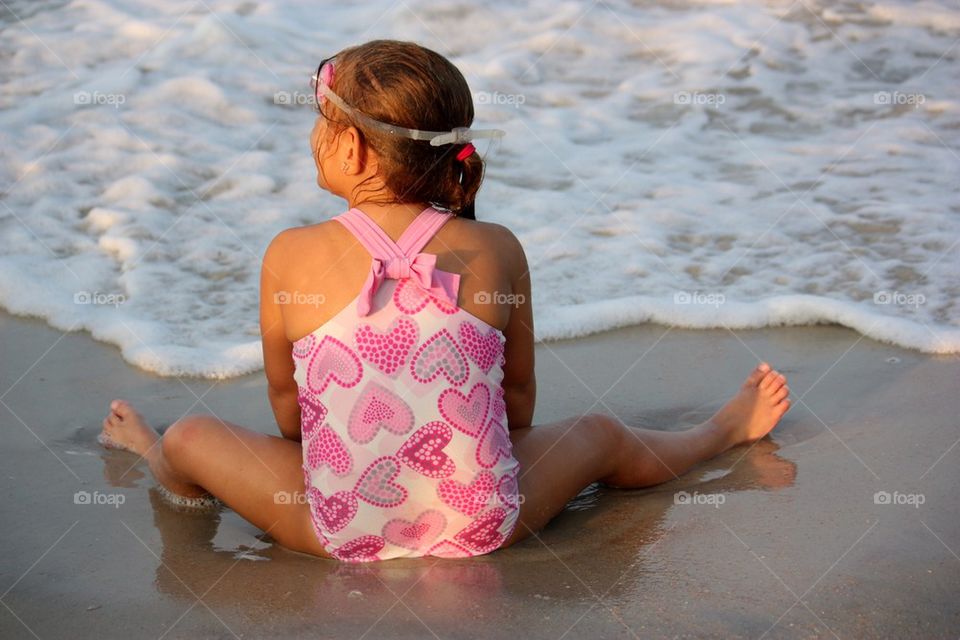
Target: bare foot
124, 428
756, 409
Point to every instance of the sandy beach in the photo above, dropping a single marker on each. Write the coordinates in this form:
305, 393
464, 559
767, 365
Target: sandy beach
732, 182
786, 539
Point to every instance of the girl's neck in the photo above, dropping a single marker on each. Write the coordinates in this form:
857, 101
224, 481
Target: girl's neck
392, 218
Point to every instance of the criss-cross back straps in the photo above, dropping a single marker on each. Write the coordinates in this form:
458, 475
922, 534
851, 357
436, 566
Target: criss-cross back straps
402, 259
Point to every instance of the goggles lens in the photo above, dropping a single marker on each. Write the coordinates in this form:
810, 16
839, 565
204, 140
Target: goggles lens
322, 78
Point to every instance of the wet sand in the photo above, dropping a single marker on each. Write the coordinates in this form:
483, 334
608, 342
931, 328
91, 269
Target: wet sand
781, 540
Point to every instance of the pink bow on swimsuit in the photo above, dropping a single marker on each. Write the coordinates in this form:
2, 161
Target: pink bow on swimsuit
421, 268
401, 260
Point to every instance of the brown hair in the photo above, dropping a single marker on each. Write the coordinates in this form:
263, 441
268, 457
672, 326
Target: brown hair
405, 84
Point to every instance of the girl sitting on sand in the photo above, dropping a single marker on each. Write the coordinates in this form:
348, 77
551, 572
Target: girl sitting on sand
398, 347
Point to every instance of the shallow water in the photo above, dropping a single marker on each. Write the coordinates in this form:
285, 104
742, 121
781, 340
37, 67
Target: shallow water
696, 164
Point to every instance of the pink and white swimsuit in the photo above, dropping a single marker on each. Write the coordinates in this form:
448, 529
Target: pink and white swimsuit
406, 450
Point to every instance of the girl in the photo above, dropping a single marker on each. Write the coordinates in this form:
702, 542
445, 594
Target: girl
398, 348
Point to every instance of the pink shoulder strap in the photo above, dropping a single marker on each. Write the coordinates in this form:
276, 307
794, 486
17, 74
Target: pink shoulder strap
402, 259
416, 236
369, 234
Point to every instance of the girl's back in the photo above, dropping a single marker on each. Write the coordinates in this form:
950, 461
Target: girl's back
406, 449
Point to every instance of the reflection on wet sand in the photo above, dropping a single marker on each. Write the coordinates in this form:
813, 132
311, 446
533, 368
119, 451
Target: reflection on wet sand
121, 470
306, 588
602, 549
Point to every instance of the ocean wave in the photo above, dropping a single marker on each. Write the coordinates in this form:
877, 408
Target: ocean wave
796, 160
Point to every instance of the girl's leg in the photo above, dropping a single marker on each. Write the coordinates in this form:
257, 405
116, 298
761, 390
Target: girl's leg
558, 460
258, 476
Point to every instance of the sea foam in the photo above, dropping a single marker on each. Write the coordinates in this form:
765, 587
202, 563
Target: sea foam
703, 164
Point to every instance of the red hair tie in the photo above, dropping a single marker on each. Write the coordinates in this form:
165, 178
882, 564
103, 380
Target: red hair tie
466, 152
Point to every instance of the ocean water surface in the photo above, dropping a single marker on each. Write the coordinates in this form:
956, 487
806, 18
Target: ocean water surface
698, 164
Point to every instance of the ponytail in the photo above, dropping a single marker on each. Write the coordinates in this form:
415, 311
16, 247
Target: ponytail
471, 175
456, 190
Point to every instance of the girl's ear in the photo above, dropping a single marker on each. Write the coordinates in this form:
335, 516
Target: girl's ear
353, 150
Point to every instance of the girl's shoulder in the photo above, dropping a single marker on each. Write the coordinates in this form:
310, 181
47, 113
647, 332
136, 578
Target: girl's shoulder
294, 237
498, 240
490, 235
323, 238
487, 238
486, 235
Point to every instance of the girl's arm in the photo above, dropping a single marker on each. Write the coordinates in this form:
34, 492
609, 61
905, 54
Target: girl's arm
519, 380
277, 349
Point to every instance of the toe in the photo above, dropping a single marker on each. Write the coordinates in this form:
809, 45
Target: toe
121, 408
782, 393
768, 380
756, 375
777, 383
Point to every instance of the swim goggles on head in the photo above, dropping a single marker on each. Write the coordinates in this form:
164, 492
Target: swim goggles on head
458, 135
